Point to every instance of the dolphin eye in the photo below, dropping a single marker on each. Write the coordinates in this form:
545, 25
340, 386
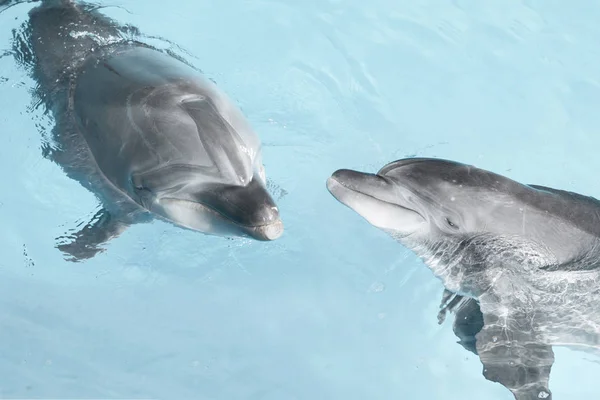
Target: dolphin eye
451, 224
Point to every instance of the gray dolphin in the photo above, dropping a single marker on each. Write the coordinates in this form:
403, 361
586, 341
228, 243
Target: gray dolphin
143, 130
522, 260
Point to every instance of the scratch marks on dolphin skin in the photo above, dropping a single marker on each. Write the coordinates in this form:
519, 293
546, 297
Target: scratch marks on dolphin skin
111, 69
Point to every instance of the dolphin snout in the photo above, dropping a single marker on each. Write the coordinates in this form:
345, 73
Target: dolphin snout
357, 181
267, 232
343, 176
262, 215
263, 221
251, 207
375, 198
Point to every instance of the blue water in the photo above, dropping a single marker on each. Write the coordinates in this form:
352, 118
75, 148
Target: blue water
334, 309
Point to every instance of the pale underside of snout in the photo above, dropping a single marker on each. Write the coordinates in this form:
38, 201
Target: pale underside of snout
365, 193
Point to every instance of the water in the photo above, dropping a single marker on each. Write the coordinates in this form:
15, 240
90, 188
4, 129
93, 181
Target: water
334, 309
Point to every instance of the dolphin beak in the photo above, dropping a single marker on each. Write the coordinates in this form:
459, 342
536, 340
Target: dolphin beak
375, 198
358, 181
251, 207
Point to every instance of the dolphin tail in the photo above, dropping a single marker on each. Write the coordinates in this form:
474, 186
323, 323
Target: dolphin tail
87, 242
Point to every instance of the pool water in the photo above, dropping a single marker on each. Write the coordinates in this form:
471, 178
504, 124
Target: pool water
334, 309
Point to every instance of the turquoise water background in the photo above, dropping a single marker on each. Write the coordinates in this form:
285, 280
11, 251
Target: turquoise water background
335, 309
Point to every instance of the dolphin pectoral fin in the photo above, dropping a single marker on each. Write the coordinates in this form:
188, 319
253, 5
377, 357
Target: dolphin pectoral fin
86, 243
468, 319
448, 304
509, 353
512, 357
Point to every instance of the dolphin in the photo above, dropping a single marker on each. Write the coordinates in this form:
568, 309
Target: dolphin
519, 263
143, 130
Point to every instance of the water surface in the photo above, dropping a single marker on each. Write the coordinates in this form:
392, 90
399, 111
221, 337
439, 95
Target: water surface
334, 309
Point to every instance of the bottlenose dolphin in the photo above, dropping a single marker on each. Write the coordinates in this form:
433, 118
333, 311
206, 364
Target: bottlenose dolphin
521, 260
143, 130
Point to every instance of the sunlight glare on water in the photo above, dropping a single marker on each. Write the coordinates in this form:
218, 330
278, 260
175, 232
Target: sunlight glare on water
334, 309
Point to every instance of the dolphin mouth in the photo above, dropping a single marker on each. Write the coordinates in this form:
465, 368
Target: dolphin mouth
267, 230
334, 185
375, 198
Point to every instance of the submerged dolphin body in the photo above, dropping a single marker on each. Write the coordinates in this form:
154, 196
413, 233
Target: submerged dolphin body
143, 130
520, 260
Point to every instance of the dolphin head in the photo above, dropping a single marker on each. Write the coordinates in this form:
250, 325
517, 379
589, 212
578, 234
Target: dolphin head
214, 181
412, 197
183, 194
425, 200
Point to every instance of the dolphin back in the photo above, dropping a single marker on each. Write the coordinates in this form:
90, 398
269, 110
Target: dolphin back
577, 209
140, 109
60, 34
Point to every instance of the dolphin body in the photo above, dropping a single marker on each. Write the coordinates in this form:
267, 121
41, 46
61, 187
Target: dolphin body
143, 130
519, 262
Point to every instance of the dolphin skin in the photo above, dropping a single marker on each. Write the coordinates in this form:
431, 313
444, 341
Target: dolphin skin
519, 263
144, 131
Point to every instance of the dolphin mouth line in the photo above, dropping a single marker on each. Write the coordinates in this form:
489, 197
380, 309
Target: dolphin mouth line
216, 212
374, 197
